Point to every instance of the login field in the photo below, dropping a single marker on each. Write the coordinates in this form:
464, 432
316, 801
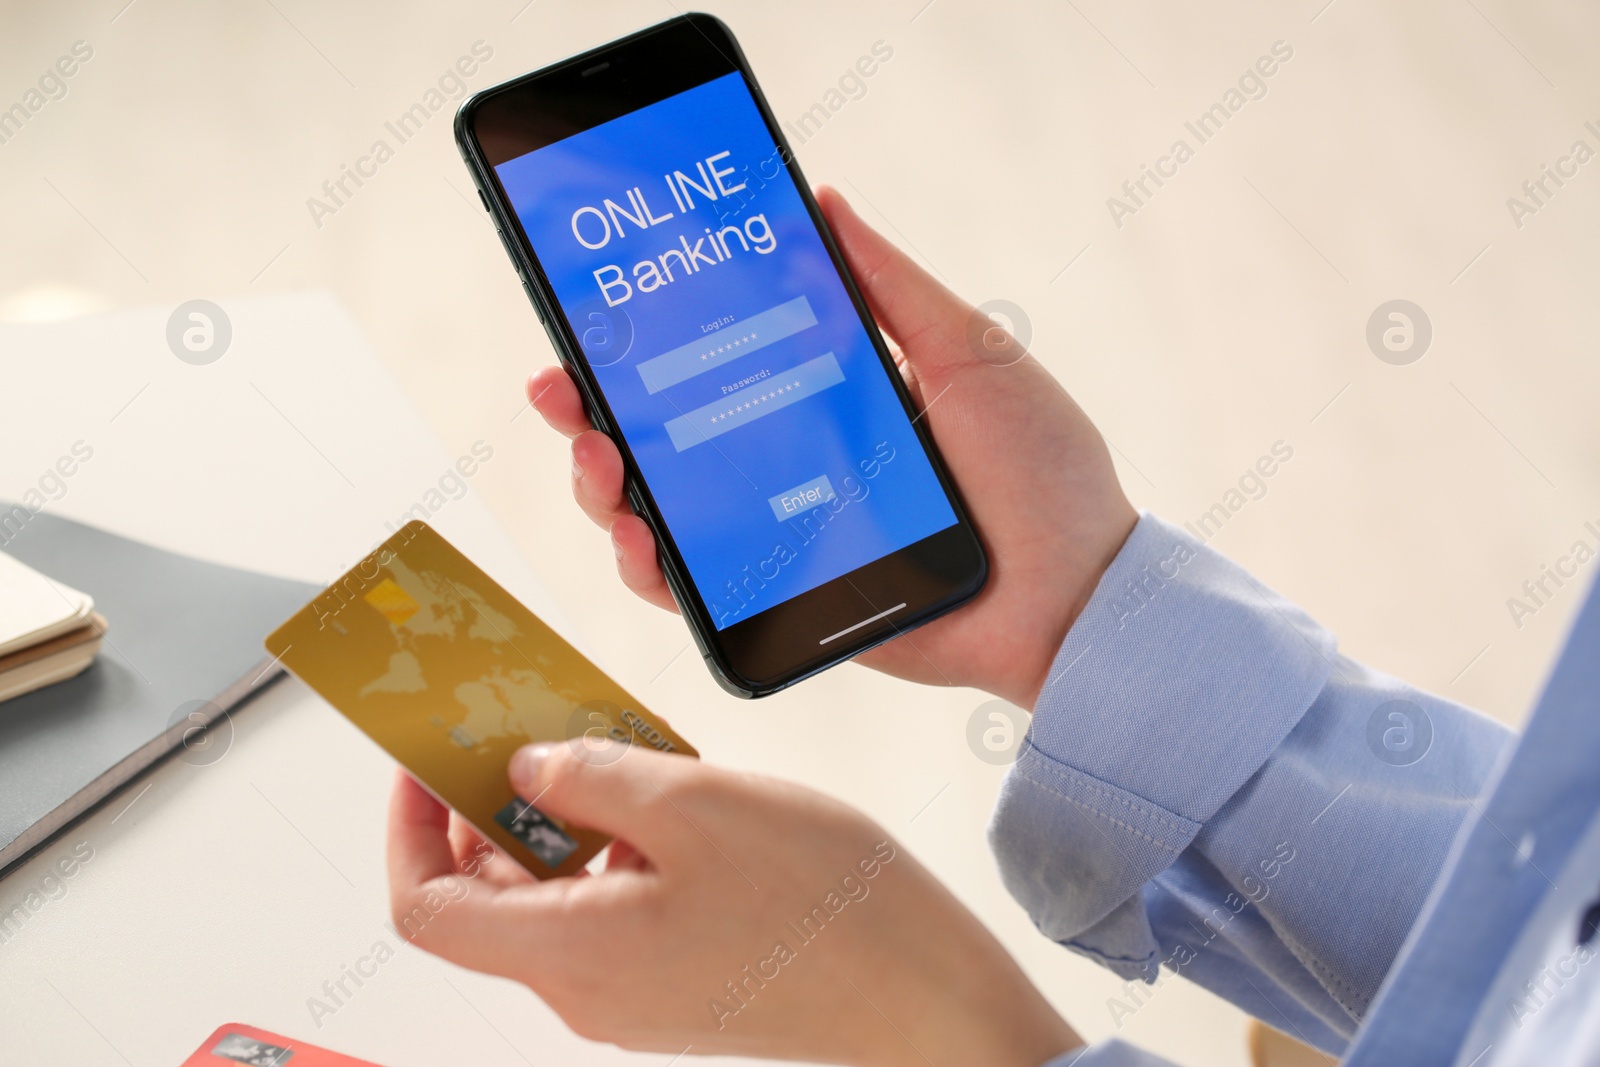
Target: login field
727, 344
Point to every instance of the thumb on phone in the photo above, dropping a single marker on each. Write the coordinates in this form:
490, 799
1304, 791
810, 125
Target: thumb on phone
919, 314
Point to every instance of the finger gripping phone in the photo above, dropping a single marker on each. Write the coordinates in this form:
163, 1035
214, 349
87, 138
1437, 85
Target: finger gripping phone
676, 257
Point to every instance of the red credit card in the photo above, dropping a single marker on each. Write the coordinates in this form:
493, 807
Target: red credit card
234, 1043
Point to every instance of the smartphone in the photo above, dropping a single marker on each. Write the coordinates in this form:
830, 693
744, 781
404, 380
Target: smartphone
677, 259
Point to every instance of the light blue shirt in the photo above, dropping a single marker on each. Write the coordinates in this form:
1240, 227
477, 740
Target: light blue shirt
1210, 790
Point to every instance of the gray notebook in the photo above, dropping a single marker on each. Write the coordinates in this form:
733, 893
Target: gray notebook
184, 643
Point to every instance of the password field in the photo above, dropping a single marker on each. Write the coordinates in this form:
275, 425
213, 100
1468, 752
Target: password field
754, 401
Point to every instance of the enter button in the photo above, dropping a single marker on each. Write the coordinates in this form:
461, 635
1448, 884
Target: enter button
801, 498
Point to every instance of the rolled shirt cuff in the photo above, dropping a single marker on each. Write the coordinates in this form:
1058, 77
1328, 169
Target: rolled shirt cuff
1178, 680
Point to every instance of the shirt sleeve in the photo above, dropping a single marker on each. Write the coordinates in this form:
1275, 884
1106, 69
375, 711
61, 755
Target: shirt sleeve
1209, 789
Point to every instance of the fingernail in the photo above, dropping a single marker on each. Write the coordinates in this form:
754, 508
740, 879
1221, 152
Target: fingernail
616, 546
525, 764
577, 469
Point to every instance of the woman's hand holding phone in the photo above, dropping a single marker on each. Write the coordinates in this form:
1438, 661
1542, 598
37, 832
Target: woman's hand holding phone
1035, 474
697, 895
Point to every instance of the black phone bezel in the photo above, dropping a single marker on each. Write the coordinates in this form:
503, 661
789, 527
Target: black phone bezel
508, 120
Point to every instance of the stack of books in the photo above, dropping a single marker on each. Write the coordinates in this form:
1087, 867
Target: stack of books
48, 631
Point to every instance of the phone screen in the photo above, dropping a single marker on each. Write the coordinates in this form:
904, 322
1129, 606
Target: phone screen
751, 396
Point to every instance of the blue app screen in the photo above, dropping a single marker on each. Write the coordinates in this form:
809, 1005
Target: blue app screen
734, 363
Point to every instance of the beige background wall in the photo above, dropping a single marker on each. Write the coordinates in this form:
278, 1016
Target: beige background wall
1227, 314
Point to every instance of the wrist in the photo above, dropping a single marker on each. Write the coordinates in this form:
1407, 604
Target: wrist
1003, 1026
954, 997
1069, 596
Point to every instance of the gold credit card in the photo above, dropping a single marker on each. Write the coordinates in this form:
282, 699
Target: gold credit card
450, 675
